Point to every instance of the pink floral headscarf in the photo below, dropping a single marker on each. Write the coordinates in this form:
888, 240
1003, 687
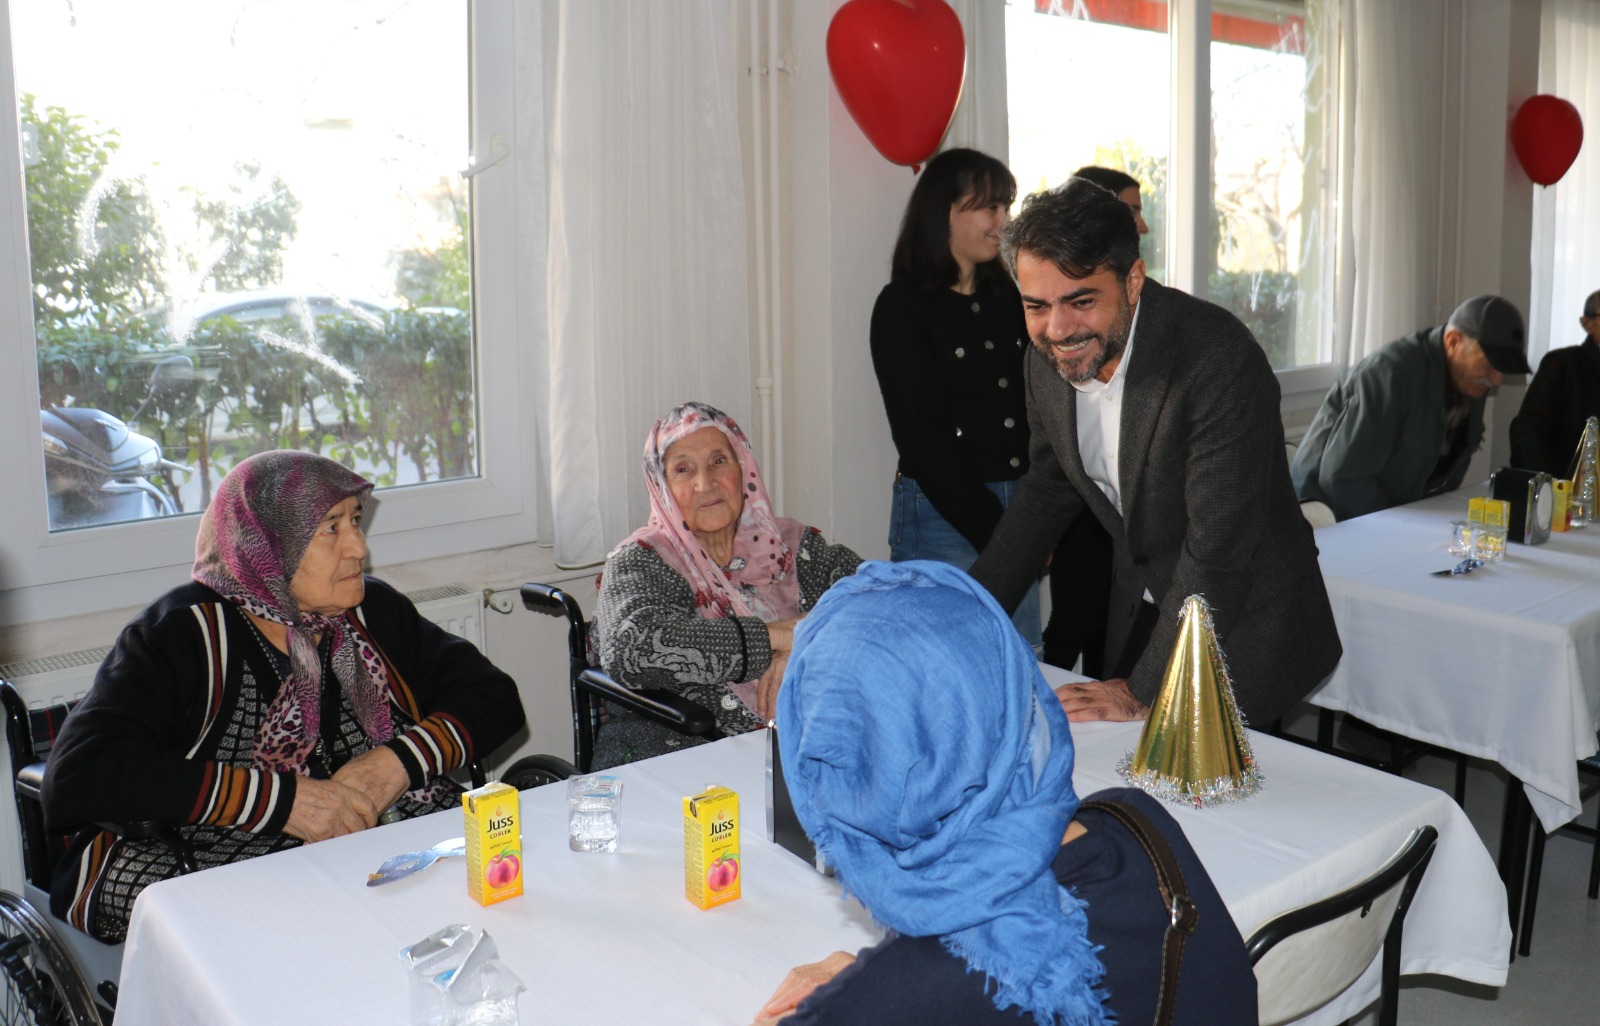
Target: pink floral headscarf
760, 580
251, 539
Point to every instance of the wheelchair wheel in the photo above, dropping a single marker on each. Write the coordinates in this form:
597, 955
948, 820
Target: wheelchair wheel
536, 771
39, 983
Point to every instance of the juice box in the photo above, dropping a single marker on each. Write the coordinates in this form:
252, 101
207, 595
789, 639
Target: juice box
1560, 515
494, 843
711, 846
1497, 512
1475, 510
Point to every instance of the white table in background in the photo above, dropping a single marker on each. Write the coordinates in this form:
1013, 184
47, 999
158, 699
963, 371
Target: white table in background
1503, 663
298, 937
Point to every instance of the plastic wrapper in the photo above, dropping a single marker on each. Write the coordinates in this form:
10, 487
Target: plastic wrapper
457, 979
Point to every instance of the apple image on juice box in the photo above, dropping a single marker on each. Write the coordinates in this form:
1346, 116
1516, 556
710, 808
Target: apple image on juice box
494, 842
711, 847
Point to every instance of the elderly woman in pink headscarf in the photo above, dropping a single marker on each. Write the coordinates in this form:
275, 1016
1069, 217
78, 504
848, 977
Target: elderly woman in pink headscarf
703, 599
278, 698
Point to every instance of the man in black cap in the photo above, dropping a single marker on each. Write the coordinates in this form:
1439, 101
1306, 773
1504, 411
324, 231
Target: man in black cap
1403, 423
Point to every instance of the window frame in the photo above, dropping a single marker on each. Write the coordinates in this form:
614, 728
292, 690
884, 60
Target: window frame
1189, 185
45, 575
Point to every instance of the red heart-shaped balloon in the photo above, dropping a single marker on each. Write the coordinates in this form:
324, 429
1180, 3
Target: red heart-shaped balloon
1547, 133
899, 66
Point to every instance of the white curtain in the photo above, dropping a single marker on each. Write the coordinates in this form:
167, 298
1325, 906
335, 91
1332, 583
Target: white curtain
1566, 247
647, 280
1390, 219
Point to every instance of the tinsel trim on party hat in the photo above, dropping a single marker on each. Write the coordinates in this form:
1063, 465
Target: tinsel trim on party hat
1584, 483
1194, 749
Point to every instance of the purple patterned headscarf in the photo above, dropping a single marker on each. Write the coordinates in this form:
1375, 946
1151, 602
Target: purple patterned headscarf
251, 540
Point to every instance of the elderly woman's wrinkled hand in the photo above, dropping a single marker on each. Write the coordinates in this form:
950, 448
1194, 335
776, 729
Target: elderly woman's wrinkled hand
327, 808
798, 985
767, 686
1100, 700
378, 774
780, 635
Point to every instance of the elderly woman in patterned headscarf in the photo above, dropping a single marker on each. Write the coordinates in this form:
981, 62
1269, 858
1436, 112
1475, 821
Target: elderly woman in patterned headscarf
279, 698
703, 599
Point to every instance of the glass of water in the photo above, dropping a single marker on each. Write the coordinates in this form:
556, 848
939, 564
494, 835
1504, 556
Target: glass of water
593, 813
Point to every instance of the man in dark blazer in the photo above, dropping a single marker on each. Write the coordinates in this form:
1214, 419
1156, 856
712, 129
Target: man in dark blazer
1157, 414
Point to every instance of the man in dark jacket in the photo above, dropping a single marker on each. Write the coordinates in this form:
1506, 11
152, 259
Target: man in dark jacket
1157, 414
1561, 397
1403, 423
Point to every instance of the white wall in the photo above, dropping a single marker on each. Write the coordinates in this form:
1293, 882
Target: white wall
843, 209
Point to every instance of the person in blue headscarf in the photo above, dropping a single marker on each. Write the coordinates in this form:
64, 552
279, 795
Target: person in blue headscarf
931, 765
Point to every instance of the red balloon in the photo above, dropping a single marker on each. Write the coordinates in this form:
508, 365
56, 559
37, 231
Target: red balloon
899, 66
1547, 133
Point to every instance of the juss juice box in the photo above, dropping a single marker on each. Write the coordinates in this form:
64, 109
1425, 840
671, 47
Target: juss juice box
494, 843
1561, 512
711, 847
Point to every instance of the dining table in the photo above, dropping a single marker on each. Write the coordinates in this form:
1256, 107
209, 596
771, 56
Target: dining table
298, 936
1502, 663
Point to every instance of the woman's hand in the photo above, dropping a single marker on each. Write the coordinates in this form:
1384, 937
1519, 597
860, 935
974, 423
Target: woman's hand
798, 985
378, 774
327, 808
780, 635
767, 686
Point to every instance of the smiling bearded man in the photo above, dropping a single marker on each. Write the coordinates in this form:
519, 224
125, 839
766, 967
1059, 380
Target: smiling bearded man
1161, 420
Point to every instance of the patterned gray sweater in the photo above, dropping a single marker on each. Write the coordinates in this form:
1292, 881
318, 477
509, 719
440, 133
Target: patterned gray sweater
647, 634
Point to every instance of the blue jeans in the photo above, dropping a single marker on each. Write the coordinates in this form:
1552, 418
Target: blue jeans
917, 531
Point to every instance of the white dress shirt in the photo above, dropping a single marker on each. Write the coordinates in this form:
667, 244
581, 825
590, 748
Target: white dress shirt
1100, 423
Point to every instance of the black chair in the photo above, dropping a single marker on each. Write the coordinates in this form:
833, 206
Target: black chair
1536, 860
589, 685
1318, 950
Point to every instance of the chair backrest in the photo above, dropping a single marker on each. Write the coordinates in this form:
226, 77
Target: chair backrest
30, 734
1306, 957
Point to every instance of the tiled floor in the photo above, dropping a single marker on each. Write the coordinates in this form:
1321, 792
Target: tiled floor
1558, 984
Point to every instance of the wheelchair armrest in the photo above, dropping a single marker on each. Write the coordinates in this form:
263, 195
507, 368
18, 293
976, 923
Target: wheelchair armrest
665, 707
30, 781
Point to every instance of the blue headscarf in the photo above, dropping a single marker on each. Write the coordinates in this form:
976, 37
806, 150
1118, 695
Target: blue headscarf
932, 765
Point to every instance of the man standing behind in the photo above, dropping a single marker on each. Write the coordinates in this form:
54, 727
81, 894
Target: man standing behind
1403, 423
1157, 414
1561, 397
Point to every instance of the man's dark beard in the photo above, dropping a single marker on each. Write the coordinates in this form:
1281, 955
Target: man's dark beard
1113, 342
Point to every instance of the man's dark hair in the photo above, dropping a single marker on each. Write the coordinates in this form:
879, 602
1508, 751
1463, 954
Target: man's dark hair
1591, 306
1116, 182
922, 252
1077, 226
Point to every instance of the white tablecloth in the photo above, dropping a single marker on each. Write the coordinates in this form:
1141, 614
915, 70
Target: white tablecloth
298, 937
1503, 663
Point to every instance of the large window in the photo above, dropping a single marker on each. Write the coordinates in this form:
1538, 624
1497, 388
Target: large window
247, 231
1092, 82
243, 226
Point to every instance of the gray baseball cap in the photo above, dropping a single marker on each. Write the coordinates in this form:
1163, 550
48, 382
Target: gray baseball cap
1497, 325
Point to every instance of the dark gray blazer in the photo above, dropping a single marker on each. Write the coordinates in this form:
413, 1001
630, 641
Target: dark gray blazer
1209, 508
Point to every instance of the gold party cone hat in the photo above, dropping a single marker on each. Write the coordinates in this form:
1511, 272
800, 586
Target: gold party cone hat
1194, 749
1585, 486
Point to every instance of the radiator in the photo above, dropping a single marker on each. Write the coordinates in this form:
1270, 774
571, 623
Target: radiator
65, 678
